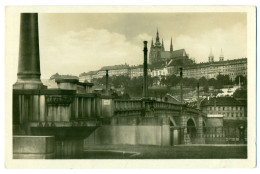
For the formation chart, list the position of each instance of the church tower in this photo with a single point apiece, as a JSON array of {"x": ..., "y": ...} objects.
[
  {"x": 157, "y": 43},
  {"x": 211, "y": 56},
  {"x": 156, "y": 49},
  {"x": 221, "y": 57},
  {"x": 171, "y": 47},
  {"x": 162, "y": 46}
]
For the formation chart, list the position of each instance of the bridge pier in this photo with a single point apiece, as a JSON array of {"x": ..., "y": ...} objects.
[
  {"x": 165, "y": 131},
  {"x": 69, "y": 148},
  {"x": 199, "y": 133}
]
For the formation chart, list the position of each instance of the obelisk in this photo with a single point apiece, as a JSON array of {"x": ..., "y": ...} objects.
[{"x": 29, "y": 73}]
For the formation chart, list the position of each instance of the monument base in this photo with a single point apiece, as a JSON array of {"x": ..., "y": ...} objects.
[{"x": 29, "y": 85}]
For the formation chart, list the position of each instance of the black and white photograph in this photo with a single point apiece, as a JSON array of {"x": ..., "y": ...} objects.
[{"x": 131, "y": 84}]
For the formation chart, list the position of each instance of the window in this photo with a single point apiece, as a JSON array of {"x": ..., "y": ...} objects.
[{"x": 223, "y": 108}]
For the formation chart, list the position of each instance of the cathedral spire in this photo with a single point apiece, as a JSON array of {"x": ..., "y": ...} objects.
[
  {"x": 152, "y": 43},
  {"x": 171, "y": 47},
  {"x": 157, "y": 37},
  {"x": 162, "y": 45}
]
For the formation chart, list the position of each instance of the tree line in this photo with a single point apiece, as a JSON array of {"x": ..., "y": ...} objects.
[{"x": 133, "y": 86}]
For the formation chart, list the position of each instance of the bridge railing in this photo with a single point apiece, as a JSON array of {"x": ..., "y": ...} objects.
[
  {"x": 210, "y": 135},
  {"x": 128, "y": 107},
  {"x": 53, "y": 107},
  {"x": 139, "y": 107}
]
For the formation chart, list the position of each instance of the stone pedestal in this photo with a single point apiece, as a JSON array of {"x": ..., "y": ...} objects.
[
  {"x": 107, "y": 106},
  {"x": 33, "y": 147}
]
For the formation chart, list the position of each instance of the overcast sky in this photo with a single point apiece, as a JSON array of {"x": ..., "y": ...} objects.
[{"x": 76, "y": 43}]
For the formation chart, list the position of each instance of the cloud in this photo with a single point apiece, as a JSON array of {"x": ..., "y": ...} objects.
[
  {"x": 89, "y": 49},
  {"x": 231, "y": 41}
]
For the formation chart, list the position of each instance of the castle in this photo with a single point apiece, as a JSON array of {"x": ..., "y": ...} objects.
[
  {"x": 165, "y": 63},
  {"x": 159, "y": 55}
]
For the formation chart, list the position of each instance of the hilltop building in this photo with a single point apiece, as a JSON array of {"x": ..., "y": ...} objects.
[
  {"x": 164, "y": 63},
  {"x": 158, "y": 54}
]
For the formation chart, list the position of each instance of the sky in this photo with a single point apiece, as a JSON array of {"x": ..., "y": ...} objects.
[{"x": 73, "y": 43}]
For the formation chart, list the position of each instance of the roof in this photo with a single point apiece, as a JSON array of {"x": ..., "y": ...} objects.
[
  {"x": 175, "y": 54},
  {"x": 222, "y": 101},
  {"x": 114, "y": 67},
  {"x": 88, "y": 73},
  {"x": 136, "y": 66},
  {"x": 178, "y": 53},
  {"x": 166, "y": 54},
  {"x": 217, "y": 63}
]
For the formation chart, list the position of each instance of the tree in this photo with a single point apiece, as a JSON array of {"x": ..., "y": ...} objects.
[
  {"x": 120, "y": 81},
  {"x": 206, "y": 88},
  {"x": 212, "y": 82},
  {"x": 190, "y": 82},
  {"x": 134, "y": 87},
  {"x": 203, "y": 81},
  {"x": 242, "y": 80},
  {"x": 223, "y": 80},
  {"x": 240, "y": 93},
  {"x": 172, "y": 80}
]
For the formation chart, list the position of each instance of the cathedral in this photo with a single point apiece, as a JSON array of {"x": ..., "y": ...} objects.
[{"x": 159, "y": 55}]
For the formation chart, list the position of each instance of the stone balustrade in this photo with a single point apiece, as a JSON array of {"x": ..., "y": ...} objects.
[{"x": 54, "y": 107}]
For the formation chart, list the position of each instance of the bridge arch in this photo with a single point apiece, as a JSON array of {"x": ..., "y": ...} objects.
[
  {"x": 191, "y": 126},
  {"x": 191, "y": 121}
]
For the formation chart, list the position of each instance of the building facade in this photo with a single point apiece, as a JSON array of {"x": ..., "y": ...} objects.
[
  {"x": 159, "y": 72},
  {"x": 229, "y": 107},
  {"x": 137, "y": 71},
  {"x": 212, "y": 69}
]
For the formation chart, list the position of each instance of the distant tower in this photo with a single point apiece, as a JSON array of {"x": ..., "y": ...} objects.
[
  {"x": 162, "y": 46},
  {"x": 157, "y": 42},
  {"x": 211, "y": 56},
  {"x": 171, "y": 47},
  {"x": 152, "y": 44},
  {"x": 221, "y": 57},
  {"x": 156, "y": 49}
]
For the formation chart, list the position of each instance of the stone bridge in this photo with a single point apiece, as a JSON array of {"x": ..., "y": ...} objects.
[
  {"x": 62, "y": 121},
  {"x": 75, "y": 117}
]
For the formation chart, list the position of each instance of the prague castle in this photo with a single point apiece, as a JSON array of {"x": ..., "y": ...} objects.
[
  {"x": 165, "y": 63},
  {"x": 159, "y": 55}
]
